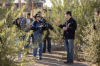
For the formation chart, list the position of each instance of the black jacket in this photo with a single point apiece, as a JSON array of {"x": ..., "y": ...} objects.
[
  {"x": 71, "y": 27},
  {"x": 45, "y": 23},
  {"x": 47, "y": 28},
  {"x": 18, "y": 25},
  {"x": 35, "y": 27}
]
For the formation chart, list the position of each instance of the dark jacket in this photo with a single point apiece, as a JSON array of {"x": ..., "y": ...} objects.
[
  {"x": 18, "y": 25},
  {"x": 35, "y": 26},
  {"x": 71, "y": 27},
  {"x": 45, "y": 23},
  {"x": 48, "y": 28}
]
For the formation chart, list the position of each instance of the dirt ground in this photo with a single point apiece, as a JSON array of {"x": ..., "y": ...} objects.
[{"x": 54, "y": 59}]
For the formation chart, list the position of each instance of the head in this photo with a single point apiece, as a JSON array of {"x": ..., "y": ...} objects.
[
  {"x": 40, "y": 13},
  {"x": 97, "y": 13},
  {"x": 68, "y": 14},
  {"x": 37, "y": 17},
  {"x": 45, "y": 14},
  {"x": 28, "y": 15},
  {"x": 17, "y": 20},
  {"x": 20, "y": 14}
]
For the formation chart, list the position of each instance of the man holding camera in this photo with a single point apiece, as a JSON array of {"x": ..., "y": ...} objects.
[{"x": 48, "y": 26}]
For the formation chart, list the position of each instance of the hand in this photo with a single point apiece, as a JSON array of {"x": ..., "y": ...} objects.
[
  {"x": 27, "y": 24},
  {"x": 46, "y": 25},
  {"x": 50, "y": 34},
  {"x": 64, "y": 28},
  {"x": 57, "y": 22},
  {"x": 41, "y": 26},
  {"x": 20, "y": 37}
]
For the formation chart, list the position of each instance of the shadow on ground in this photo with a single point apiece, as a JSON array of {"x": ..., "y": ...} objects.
[{"x": 54, "y": 59}]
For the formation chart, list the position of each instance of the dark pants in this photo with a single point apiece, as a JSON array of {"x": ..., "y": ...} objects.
[{"x": 49, "y": 44}]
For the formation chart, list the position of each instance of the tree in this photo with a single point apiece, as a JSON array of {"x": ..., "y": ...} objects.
[
  {"x": 81, "y": 9},
  {"x": 91, "y": 45},
  {"x": 8, "y": 36}
]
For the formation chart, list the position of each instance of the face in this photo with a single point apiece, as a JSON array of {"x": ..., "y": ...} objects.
[
  {"x": 18, "y": 21},
  {"x": 66, "y": 16},
  {"x": 40, "y": 14},
  {"x": 28, "y": 16},
  {"x": 96, "y": 13},
  {"x": 38, "y": 17}
]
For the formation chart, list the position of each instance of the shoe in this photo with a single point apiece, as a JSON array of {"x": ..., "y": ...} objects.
[
  {"x": 33, "y": 58},
  {"x": 50, "y": 52},
  {"x": 40, "y": 58},
  {"x": 71, "y": 62},
  {"x": 43, "y": 51},
  {"x": 66, "y": 62},
  {"x": 28, "y": 52}
]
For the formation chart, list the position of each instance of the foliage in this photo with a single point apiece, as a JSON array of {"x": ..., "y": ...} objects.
[
  {"x": 81, "y": 11},
  {"x": 91, "y": 45},
  {"x": 9, "y": 34}
]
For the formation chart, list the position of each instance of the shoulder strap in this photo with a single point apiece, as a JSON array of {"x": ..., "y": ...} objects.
[{"x": 43, "y": 21}]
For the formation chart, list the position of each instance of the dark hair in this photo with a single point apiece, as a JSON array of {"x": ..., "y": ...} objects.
[
  {"x": 39, "y": 12},
  {"x": 97, "y": 12},
  {"x": 35, "y": 15},
  {"x": 15, "y": 22},
  {"x": 68, "y": 12},
  {"x": 28, "y": 14}
]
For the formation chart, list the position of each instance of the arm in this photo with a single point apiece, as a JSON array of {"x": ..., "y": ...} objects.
[
  {"x": 50, "y": 27},
  {"x": 34, "y": 27},
  {"x": 72, "y": 28},
  {"x": 43, "y": 28},
  {"x": 31, "y": 19},
  {"x": 61, "y": 26}
]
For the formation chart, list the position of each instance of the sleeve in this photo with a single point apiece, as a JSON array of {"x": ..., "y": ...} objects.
[
  {"x": 31, "y": 20},
  {"x": 43, "y": 28},
  {"x": 34, "y": 27},
  {"x": 50, "y": 27},
  {"x": 61, "y": 26},
  {"x": 73, "y": 27}
]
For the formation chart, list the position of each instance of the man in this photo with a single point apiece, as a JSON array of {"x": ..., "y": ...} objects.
[
  {"x": 24, "y": 24},
  {"x": 48, "y": 26},
  {"x": 69, "y": 28}
]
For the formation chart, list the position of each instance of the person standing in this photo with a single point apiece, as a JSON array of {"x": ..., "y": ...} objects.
[
  {"x": 69, "y": 28},
  {"x": 24, "y": 24},
  {"x": 47, "y": 38},
  {"x": 16, "y": 23},
  {"x": 48, "y": 26},
  {"x": 37, "y": 27}
]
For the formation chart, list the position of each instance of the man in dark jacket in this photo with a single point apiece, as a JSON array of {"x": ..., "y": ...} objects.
[
  {"x": 69, "y": 28},
  {"x": 48, "y": 26}
]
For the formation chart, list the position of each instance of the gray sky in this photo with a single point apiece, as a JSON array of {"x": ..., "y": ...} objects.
[{"x": 48, "y": 3}]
